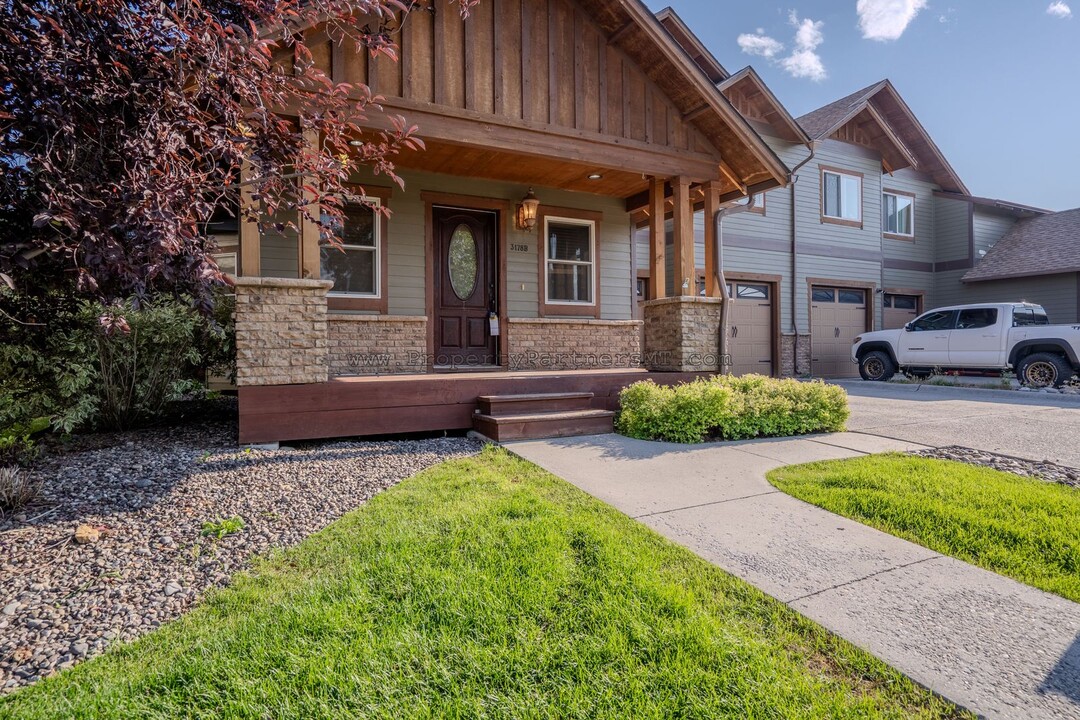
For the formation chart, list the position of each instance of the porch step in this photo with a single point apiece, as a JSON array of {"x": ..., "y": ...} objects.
[
  {"x": 497, "y": 405},
  {"x": 542, "y": 425}
]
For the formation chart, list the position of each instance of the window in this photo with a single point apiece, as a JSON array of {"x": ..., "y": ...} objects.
[
  {"x": 977, "y": 319},
  {"x": 902, "y": 302},
  {"x": 570, "y": 253},
  {"x": 853, "y": 297},
  {"x": 898, "y": 214},
  {"x": 824, "y": 295},
  {"x": 841, "y": 197},
  {"x": 753, "y": 292},
  {"x": 354, "y": 266},
  {"x": 935, "y": 320},
  {"x": 1028, "y": 317}
]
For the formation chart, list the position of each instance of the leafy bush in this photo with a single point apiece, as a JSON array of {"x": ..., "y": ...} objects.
[
  {"x": 17, "y": 445},
  {"x": 730, "y": 408},
  {"x": 17, "y": 490}
]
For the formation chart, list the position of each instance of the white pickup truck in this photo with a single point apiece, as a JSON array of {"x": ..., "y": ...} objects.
[{"x": 994, "y": 337}]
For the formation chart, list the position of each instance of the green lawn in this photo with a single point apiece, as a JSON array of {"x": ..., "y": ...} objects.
[
  {"x": 484, "y": 588},
  {"x": 1026, "y": 529}
]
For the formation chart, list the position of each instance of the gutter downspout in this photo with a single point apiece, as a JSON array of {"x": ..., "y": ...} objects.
[
  {"x": 793, "y": 179},
  {"x": 721, "y": 281}
]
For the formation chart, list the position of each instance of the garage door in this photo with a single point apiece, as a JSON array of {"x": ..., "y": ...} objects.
[
  {"x": 899, "y": 310},
  {"x": 751, "y": 328},
  {"x": 837, "y": 316}
]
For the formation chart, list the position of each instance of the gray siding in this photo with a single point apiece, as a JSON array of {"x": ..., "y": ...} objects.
[
  {"x": 1056, "y": 293},
  {"x": 952, "y": 234},
  {"x": 989, "y": 227}
]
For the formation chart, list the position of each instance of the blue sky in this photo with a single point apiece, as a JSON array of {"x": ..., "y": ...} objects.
[{"x": 995, "y": 82}]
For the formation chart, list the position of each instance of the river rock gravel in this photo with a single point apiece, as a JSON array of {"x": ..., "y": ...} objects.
[
  {"x": 1042, "y": 470},
  {"x": 148, "y": 496}
]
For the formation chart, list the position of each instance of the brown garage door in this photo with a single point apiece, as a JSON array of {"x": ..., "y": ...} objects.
[
  {"x": 837, "y": 316},
  {"x": 899, "y": 310},
  {"x": 751, "y": 328}
]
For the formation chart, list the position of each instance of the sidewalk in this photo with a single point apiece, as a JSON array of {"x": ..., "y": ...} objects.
[{"x": 995, "y": 646}]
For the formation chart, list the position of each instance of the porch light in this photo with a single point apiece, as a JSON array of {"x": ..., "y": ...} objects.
[{"x": 526, "y": 216}]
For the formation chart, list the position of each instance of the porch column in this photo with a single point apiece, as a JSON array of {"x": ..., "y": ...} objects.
[
  {"x": 250, "y": 252},
  {"x": 684, "y": 237},
  {"x": 310, "y": 264},
  {"x": 712, "y": 262},
  {"x": 657, "y": 269}
]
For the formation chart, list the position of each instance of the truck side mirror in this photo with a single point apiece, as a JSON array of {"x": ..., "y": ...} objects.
[{"x": 910, "y": 327}]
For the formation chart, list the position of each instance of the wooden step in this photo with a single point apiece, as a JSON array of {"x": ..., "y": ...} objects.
[
  {"x": 500, "y": 405},
  {"x": 537, "y": 426}
]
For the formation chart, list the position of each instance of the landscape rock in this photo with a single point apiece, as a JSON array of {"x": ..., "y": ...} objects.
[
  {"x": 1045, "y": 470},
  {"x": 85, "y": 534}
]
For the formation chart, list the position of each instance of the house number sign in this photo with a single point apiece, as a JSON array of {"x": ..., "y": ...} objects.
[{"x": 519, "y": 247}]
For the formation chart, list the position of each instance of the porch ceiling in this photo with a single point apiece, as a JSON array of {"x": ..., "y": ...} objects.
[{"x": 493, "y": 164}]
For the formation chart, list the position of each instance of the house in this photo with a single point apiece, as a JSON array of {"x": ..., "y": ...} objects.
[{"x": 508, "y": 265}]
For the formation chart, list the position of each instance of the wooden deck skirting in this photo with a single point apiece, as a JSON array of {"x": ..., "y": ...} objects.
[{"x": 390, "y": 405}]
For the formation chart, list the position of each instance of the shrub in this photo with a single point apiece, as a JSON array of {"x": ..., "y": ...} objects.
[
  {"x": 17, "y": 490},
  {"x": 730, "y": 408},
  {"x": 17, "y": 445}
]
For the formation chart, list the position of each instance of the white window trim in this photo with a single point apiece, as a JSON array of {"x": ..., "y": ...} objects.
[
  {"x": 840, "y": 197},
  {"x": 374, "y": 203},
  {"x": 591, "y": 224},
  {"x": 884, "y": 218}
]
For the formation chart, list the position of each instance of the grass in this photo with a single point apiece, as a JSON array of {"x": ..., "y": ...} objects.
[
  {"x": 1026, "y": 529},
  {"x": 484, "y": 588}
]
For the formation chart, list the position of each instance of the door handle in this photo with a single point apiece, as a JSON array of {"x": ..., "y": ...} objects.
[
  {"x": 735, "y": 331},
  {"x": 837, "y": 333}
]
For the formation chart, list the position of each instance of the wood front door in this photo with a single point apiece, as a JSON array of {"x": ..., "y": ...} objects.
[{"x": 465, "y": 287}]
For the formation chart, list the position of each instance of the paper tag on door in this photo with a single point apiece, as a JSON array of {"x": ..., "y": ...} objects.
[{"x": 493, "y": 323}]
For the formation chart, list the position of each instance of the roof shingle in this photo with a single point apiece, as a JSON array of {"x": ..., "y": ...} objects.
[{"x": 1043, "y": 245}]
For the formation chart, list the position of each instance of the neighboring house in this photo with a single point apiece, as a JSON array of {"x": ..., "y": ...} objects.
[{"x": 511, "y": 246}]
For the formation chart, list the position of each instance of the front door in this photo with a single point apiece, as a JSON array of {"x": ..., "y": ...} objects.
[{"x": 465, "y": 290}]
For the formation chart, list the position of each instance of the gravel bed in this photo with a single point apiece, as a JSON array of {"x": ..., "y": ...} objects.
[
  {"x": 148, "y": 497},
  {"x": 1042, "y": 470}
]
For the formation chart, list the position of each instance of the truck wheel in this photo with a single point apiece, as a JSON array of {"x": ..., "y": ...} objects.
[
  {"x": 1043, "y": 370},
  {"x": 876, "y": 366}
]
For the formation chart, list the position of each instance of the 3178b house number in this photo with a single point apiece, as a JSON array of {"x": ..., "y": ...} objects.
[{"x": 518, "y": 247}]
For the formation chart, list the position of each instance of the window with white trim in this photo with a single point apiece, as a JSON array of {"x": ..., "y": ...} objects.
[
  {"x": 354, "y": 266},
  {"x": 570, "y": 261},
  {"x": 898, "y": 214},
  {"x": 841, "y": 198}
]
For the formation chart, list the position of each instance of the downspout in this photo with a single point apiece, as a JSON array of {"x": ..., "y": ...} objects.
[
  {"x": 721, "y": 281},
  {"x": 793, "y": 179}
]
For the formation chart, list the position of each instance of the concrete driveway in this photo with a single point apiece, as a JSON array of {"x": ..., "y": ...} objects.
[{"x": 1033, "y": 426}]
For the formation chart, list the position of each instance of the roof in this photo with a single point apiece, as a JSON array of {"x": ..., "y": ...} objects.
[
  {"x": 1018, "y": 209},
  {"x": 1042, "y": 245},
  {"x": 749, "y": 94},
  {"x": 905, "y": 137},
  {"x": 692, "y": 45}
]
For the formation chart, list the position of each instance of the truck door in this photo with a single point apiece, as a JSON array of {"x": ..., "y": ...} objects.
[
  {"x": 978, "y": 339},
  {"x": 925, "y": 342}
]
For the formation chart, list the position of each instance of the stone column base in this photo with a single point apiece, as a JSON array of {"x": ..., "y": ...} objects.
[
  {"x": 795, "y": 362},
  {"x": 682, "y": 334}
]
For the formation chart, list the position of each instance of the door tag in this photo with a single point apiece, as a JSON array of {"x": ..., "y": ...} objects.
[{"x": 493, "y": 323}]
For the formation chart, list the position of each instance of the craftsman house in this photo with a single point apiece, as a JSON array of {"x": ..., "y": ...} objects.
[{"x": 507, "y": 266}]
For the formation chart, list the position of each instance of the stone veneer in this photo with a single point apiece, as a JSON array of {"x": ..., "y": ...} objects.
[
  {"x": 788, "y": 365},
  {"x": 281, "y": 331},
  {"x": 567, "y": 344},
  {"x": 682, "y": 334},
  {"x": 377, "y": 345}
]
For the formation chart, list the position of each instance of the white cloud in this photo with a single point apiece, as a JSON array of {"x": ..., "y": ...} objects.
[
  {"x": 805, "y": 62},
  {"x": 1059, "y": 9},
  {"x": 885, "y": 20},
  {"x": 758, "y": 43}
]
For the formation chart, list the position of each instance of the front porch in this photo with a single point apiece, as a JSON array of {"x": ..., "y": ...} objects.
[{"x": 386, "y": 405}]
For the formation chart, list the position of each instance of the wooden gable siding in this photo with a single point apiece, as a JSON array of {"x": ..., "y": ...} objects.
[{"x": 540, "y": 62}]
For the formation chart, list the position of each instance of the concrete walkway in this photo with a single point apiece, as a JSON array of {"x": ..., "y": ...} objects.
[{"x": 995, "y": 646}]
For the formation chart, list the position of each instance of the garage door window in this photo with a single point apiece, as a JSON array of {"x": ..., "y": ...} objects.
[
  {"x": 754, "y": 292},
  {"x": 826, "y": 295},
  {"x": 853, "y": 297},
  {"x": 902, "y": 302}
]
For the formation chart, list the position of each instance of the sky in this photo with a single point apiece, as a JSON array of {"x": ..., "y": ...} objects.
[{"x": 996, "y": 83}]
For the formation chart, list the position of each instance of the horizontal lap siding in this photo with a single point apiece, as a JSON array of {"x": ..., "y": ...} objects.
[
  {"x": 989, "y": 227},
  {"x": 951, "y": 227},
  {"x": 920, "y": 248},
  {"x": 406, "y": 244},
  {"x": 1056, "y": 293}
]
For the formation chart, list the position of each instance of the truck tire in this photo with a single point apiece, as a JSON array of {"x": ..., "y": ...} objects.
[
  {"x": 1043, "y": 370},
  {"x": 876, "y": 366}
]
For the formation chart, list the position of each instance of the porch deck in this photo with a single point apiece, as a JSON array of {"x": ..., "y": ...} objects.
[{"x": 393, "y": 404}]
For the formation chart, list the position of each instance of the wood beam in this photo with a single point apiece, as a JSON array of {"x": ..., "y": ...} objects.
[
  {"x": 731, "y": 175},
  {"x": 657, "y": 279},
  {"x": 248, "y": 230},
  {"x": 683, "y": 218},
  {"x": 309, "y": 230},
  {"x": 712, "y": 261}
]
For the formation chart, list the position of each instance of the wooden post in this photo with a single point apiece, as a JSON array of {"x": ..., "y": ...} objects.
[
  {"x": 310, "y": 265},
  {"x": 712, "y": 271},
  {"x": 250, "y": 251},
  {"x": 684, "y": 238},
  {"x": 657, "y": 239}
]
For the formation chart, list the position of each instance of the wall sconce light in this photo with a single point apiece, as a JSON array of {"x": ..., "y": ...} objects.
[{"x": 526, "y": 215}]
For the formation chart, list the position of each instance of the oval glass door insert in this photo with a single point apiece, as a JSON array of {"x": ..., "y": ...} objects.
[{"x": 462, "y": 262}]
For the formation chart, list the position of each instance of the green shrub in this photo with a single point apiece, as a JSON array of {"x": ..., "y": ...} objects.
[
  {"x": 730, "y": 408},
  {"x": 17, "y": 446}
]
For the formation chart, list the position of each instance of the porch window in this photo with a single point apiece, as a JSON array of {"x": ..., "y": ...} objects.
[
  {"x": 841, "y": 197},
  {"x": 570, "y": 255},
  {"x": 354, "y": 266},
  {"x": 898, "y": 214}
]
